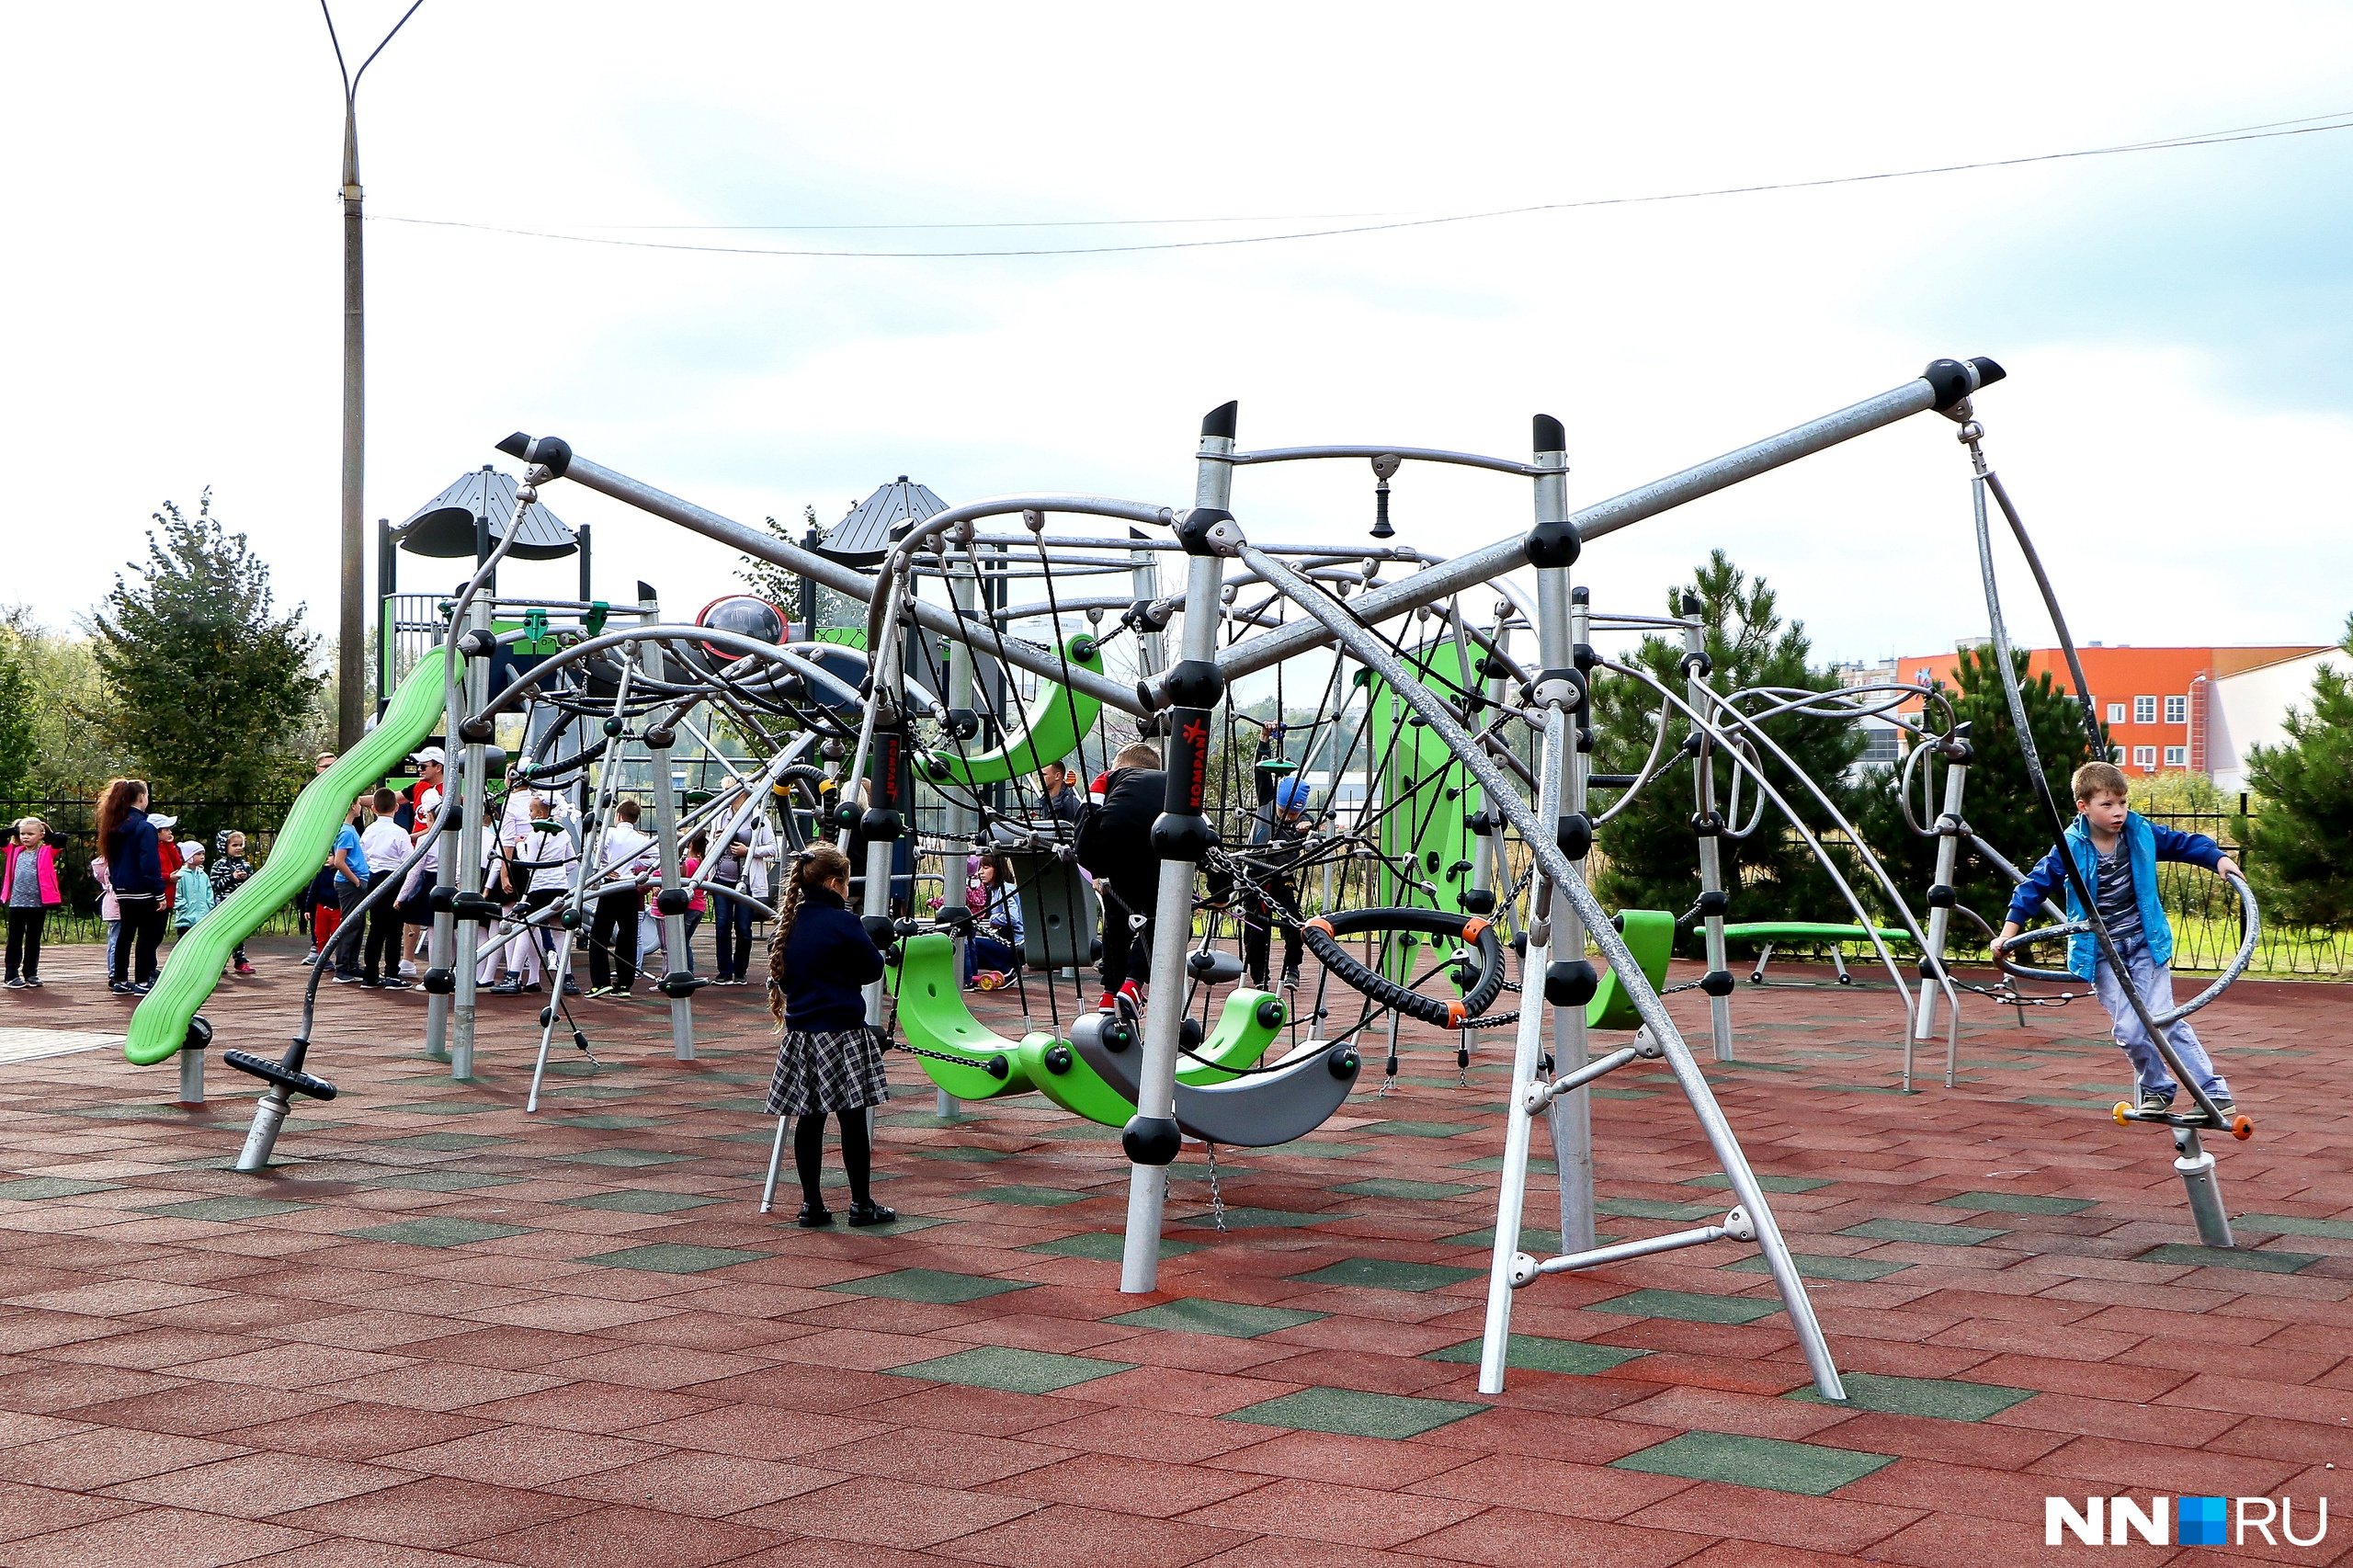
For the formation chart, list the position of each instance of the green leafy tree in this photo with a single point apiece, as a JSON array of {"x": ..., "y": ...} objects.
[
  {"x": 2300, "y": 846},
  {"x": 72, "y": 755},
  {"x": 783, "y": 588},
  {"x": 211, "y": 687},
  {"x": 18, "y": 744},
  {"x": 1651, "y": 858},
  {"x": 1997, "y": 801}
]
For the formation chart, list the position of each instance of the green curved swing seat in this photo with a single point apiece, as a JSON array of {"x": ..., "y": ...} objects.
[
  {"x": 1650, "y": 937},
  {"x": 1239, "y": 1041}
]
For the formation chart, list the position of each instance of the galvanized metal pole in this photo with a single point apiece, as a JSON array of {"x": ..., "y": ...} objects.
[
  {"x": 473, "y": 799},
  {"x": 674, "y": 921},
  {"x": 1702, "y": 698},
  {"x": 1948, "y": 830},
  {"x": 351, "y": 629},
  {"x": 964, "y": 821},
  {"x": 1151, "y": 1138}
]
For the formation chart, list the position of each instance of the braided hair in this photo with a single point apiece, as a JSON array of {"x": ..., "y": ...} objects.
[{"x": 813, "y": 866}]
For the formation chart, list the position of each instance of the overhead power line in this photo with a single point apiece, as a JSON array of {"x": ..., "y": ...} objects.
[{"x": 2310, "y": 125}]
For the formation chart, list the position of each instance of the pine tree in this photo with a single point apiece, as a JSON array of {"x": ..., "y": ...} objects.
[
  {"x": 210, "y": 686},
  {"x": 1997, "y": 802},
  {"x": 1651, "y": 858},
  {"x": 2297, "y": 854}
]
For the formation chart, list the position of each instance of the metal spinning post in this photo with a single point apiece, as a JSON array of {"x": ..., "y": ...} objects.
[
  {"x": 474, "y": 796},
  {"x": 1564, "y": 658},
  {"x": 1180, "y": 838},
  {"x": 963, "y": 822},
  {"x": 1941, "y": 897},
  {"x": 670, "y": 903},
  {"x": 1713, "y": 900}
]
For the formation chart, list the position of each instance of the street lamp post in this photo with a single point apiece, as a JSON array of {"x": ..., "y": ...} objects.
[{"x": 351, "y": 636}]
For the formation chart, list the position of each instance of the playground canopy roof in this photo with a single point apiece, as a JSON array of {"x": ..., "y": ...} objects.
[
  {"x": 863, "y": 537},
  {"x": 445, "y": 525}
]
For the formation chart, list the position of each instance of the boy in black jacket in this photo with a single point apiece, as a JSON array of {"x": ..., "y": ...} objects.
[{"x": 1115, "y": 846}]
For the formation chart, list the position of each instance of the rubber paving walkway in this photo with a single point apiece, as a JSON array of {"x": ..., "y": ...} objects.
[{"x": 444, "y": 1333}]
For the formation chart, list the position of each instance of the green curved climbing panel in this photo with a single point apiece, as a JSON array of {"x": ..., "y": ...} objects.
[{"x": 1049, "y": 732}]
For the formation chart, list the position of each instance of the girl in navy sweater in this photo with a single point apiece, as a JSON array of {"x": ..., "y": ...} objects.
[{"x": 830, "y": 1060}]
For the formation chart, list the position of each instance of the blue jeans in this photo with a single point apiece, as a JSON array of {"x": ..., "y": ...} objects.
[
  {"x": 988, "y": 953},
  {"x": 734, "y": 936},
  {"x": 2154, "y": 982}
]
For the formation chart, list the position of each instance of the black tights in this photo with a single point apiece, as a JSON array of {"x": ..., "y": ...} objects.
[{"x": 809, "y": 1149}]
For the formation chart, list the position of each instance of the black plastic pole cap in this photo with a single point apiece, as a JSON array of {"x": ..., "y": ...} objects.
[
  {"x": 553, "y": 452},
  {"x": 1152, "y": 1140},
  {"x": 1549, "y": 435},
  {"x": 1953, "y": 379},
  {"x": 1220, "y": 421}
]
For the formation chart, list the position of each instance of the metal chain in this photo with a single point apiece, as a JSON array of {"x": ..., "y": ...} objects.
[{"x": 1217, "y": 1197}]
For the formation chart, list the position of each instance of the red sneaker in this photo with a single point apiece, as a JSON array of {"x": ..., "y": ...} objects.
[{"x": 245, "y": 969}]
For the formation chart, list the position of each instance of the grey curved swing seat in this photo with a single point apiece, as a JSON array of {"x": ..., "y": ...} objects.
[{"x": 1273, "y": 1106}]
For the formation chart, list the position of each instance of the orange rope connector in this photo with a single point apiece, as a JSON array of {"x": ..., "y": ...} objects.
[
  {"x": 1319, "y": 923},
  {"x": 1455, "y": 1015},
  {"x": 1473, "y": 928}
]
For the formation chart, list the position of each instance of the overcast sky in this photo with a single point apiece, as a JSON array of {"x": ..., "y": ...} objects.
[{"x": 2175, "y": 324}]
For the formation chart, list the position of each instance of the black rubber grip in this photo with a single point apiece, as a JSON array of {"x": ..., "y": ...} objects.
[
  {"x": 293, "y": 1080},
  {"x": 1321, "y": 938}
]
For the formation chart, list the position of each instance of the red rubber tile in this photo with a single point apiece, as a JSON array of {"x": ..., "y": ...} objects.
[
  {"x": 50, "y": 1388},
  {"x": 1515, "y": 1538},
  {"x": 592, "y": 1407},
  {"x": 625, "y": 1537},
  {"x": 756, "y": 1431},
  {"x": 1064, "y": 1536},
  {"x": 359, "y": 1554},
  {"x": 37, "y": 1510},
  {"x": 257, "y": 1486},
  {"x": 156, "y": 1537},
  {"x": 706, "y": 1484},
  {"x": 916, "y": 1455},
  {"x": 883, "y": 1512},
  {"x": 1151, "y": 1433},
  {"x": 1835, "y": 1524},
  {"x": 103, "y": 1456},
  {"x": 1294, "y": 1551},
  {"x": 1129, "y": 1486},
  {"x": 952, "y": 1407},
  {"x": 1331, "y": 1456},
  {"x": 357, "y": 1431},
  {"x": 436, "y": 1513},
  {"x": 201, "y": 1410},
  {"x": 1325, "y": 1510},
  {"x": 524, "y": 1456},
  {"x": 1582, "y": 1491}
]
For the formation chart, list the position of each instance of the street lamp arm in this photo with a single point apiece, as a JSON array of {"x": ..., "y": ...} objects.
[{"x": 351, "y": 77}]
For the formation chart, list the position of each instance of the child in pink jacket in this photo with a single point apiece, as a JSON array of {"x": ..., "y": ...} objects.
[{"x": 29, "y": 891}]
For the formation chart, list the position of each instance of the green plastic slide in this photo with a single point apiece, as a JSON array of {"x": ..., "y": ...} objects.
[
  {"x": 1049, "y": 732},
  {"x": 159, "y": 1026},
  {"x": 1650, "y": 937}
]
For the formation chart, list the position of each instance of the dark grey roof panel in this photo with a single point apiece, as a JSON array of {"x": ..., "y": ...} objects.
[
  {"x": 862, "y": 538},
  {"x": 445, "y": 525}
]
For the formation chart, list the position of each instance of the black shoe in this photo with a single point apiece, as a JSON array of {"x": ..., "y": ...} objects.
[
  {"x": 394, "y": 984},
  {"x": 871, "y": 1214},
  {"x": 571, "y": 986},
  {"x": 1290, "y": 980},
  {"x": 32, "y": 983},
  {"x": 123, "y": 988},
  {"x": 142, "y": 986},
  {"x": 508, "y": 987},
  {"x": 814, "y": 1217},
  {"x": 370, "y": 982},
  {"x": 13, "y": 983}
]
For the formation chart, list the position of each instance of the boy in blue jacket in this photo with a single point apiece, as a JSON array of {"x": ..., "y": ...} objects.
[{"x": 2116, "y": 851}]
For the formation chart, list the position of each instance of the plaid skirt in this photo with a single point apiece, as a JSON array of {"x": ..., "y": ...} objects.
[{"x": 820, "y": 1073}]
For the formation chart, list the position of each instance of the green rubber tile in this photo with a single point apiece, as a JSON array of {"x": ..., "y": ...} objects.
[
  {"x": 750, "y": 1104},
  {"x": 226, "y": 1209},
  {"x": 1013, "y": 1371},
  {"x": 1252, "y": 1219},
  {"x": 1771, "y": 1463},
  {"x": 2023, "y": 1203},
  {"x": 2251, "y": 1258},
  {"x": 443, "y": 1181},
  {"x": 1814, "y": 1266},
  {"x": 1393, "y": 1186},
  {"x": 975, "y": 1156},
  {"x": 451, "y": 1108},
  {"x": 436, "y": 1233},
  {"x": 2067, "y": 1101},
  {"x": 1688, "y": 1306},
  {"x": 609, "y": 1123},
  {"x": 932, "y": 1285},
  {"x": 1309, "y": 1148},
  {"x": 442, "y": 1143},
  {"x": 1351, "y": 1413},
  {"x": 1081, "y": 1131},
  {"x": 1031, "y": 1197},
  {"x": 1769, "y": 1182},
  {"x": 1381, "y": 1274},
  {"x": 1937, "y": 1397},
  {"x": 1196, "y": 1316},
  {"x": 637, "y": 1201},
  {"x": 594, "y": 1092},
  {"x": 674, "y": 1257},
  {"x": 628, "y": 1157},
  {"x": 1652, "y": 1209},
  {"x": 33, "y": 1190},
  {"x": 1928, "y": 1235},
  {"x": 2284, "y": 1224},
  {"x": 1104, "y": 1247},
  {"x": 1542, "y": 1244},
  {"x": 1535, "y": 1353},
  {"x": 1495, "y": 1162},
  {"x": 1424, "y": 1129},
  {"x": 924, "y": 1118},
  {"x": 1601, "y": 1094},
  {"x": 135, "y": 1113},
  {"x": 905, "y": 1225},
  {"x": 1869, "y": 1089}
]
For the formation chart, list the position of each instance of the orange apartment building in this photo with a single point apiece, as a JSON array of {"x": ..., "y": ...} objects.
[{"x": 2160, "y": 703}]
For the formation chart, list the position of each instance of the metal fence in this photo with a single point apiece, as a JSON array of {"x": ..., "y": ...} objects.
[
  {"x": 2208, "y": 927},
  {"x": 72, "y": 826}
]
